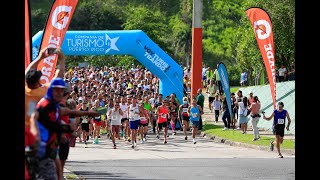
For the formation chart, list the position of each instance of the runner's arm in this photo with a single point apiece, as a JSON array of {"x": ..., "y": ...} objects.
[
  {"x": 74, "y": 112},
  {"x": 34, "y": 64},
  {"x": 289, "y": 120},
  {"x": 268, "y": 118},
  {"x": 60, "y": 72},
  {"x": 34, "y": 129}
]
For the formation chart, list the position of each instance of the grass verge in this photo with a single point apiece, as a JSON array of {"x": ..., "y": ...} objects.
[
  {"x": 237, "y": 136},
  {"x": 234, "y": 89}
]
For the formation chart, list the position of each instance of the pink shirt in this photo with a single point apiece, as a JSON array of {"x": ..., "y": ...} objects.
[{"x": 255, "y": 108}]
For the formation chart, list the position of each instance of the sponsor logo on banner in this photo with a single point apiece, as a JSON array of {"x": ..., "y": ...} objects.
[
  {"x": 155, "y": 59},
  {"x": 98, "y": 43}
]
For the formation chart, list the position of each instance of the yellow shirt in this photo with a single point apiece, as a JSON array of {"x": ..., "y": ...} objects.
[{"x": 32, "y": 97}]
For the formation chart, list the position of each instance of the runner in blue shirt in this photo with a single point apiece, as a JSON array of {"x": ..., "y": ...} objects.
[{"x": 279, "y": 122}]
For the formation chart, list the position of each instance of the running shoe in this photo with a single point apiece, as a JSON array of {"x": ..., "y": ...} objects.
[
  {"x": 164, "y": 142},
  {"x": 271, "y": 146},
  {"x": 98, "y": 136},
  {"x": 114, "y": 146},
  {"x": 132, "y": 146},
  {"x": 158, "y": 136},
  {"x": 280, "y": 155},
  {"x": 186, "y": 138},
  {"x": 141, "y": 141},
  {"x": 85, "y": 144},
  {"x": 87, "y": 138},
  {"x": 194, "y": 141}
]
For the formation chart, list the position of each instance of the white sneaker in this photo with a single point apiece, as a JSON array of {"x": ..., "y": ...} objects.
[
  {"x": 194, "y": 141},
  {"x": 225, "y": 128},
  {"x": 142, "y": 141},
  {"x": 238, "y": 128}
]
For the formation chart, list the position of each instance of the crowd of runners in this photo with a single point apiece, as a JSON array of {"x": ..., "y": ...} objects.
[{"x": 80, "y": 104}]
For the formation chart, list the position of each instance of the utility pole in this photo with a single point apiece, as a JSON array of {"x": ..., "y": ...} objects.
[{"x": 196, "y": 65}]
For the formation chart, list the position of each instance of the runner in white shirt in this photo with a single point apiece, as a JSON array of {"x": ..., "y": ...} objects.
[
  {"x": 134, "y": 119},
  {"x": 124, "y": 119},
  {"x": 116, "y": 115}
]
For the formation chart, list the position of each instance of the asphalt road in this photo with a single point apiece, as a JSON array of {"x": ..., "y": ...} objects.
[{"x": 179, "y": 159}]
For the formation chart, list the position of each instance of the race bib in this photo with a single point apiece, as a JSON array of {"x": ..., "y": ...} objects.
[
  {"x": 194, "y": 115},
  {"x": 114, "y": 118},
  {"x": 185, "y": 110},
  {"x": 143, "y": 118},
  {"x": 31, "y": 107},
  {"x": 280, "y": 121},
  {"x": 163, "y": 115}
]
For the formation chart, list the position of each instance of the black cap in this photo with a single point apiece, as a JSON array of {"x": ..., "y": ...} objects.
[{"x": 33, "y": 76}]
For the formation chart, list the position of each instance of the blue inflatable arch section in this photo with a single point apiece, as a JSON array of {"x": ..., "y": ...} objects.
[{"x": 123, "y": 42}]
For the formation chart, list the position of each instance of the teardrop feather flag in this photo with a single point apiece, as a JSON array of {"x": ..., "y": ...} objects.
[
  {"x": 262, "y": 28},
  {"x": 56, "y": 27}
]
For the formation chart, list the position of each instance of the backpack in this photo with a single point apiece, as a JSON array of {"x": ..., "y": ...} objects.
[{"x": 246, "y": 112}]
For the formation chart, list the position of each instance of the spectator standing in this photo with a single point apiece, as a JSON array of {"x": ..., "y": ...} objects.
[
  {"x": 250, "y": 98},
  {"x": 226, "y": 118},
  {"x": 216, "y": 105},
  {"x": 243, "y": 120},
  {"x": 239, "y": 98},
  {"x": 218, "y": 81},
  {"x": 211, "y": 91},
  {"x": 255, "y": 116},
  {"x": 200, "y": 102},
  {"x": 243, "y": 79},
  {"x": 47, "y": 114},
  {"x": 282, "y": 73},
  {"x": 292, "y": 72},
  {"x": 234, "y": 111}
]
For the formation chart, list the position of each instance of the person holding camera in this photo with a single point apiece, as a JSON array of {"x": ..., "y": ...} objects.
[
  {"x": 255, "y": 116},
  {"x": 279, "y": 123}
]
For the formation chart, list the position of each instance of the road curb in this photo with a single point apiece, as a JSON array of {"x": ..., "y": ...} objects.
[{"x": 239, "y": 144}]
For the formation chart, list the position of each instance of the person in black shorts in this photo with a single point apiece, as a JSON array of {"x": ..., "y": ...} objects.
[
  {"x": 183, "y": 109},
  {"x": 279, "y": 124}
]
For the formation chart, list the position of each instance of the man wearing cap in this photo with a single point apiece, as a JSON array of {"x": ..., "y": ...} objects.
[
  {"x": 279, "y": 124},
  {"x": 34, "y": 91},
  {"x": 48, "y": 116}
]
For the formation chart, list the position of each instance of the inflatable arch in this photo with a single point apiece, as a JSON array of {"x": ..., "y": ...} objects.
[{"x": 124, "y": 42}]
